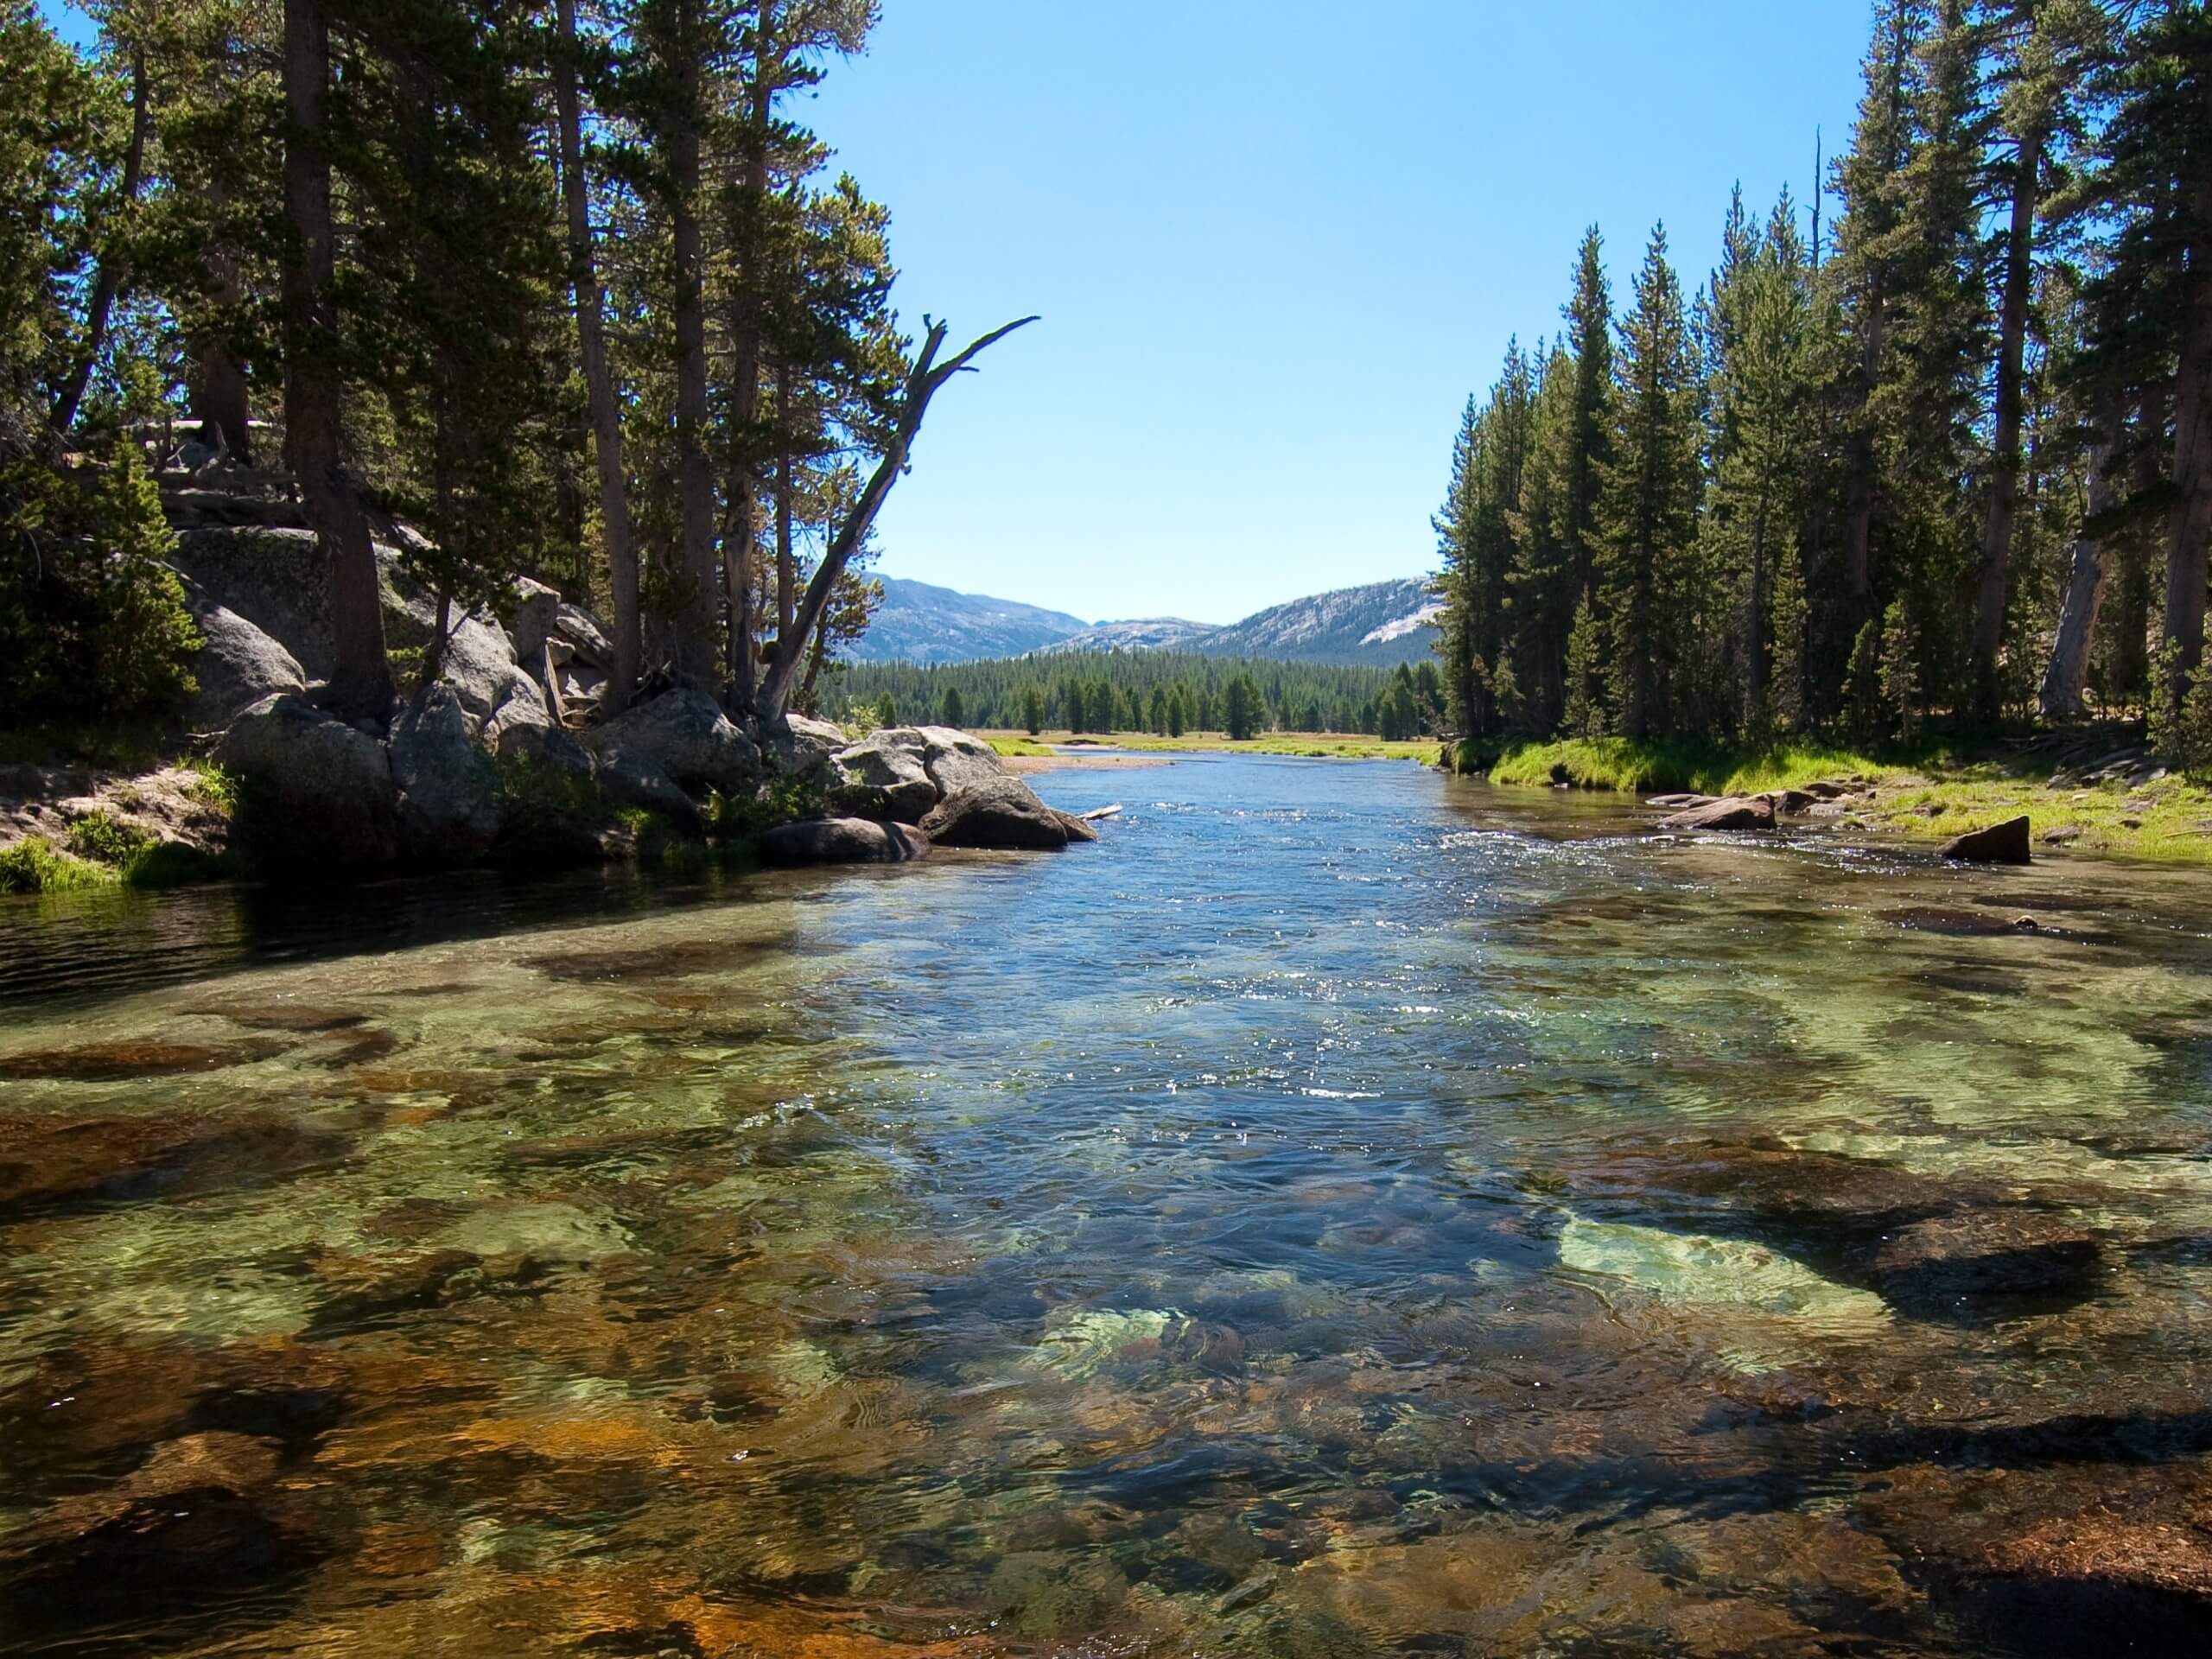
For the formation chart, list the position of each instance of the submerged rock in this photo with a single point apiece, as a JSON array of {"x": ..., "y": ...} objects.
[
  {"x": 1699, "y": 1270},
  {"x": 203, "y": 1516},
  {"x": 2001, "y": 843},
  {"x": 1737, "y": 812},
  {"x": 1985, "y": 1252},
  {"x": 120, "y": 1062},
  {"x": 1004, "y": 813},
  {"x": 1077, "y": 1343},
  {"x": 843, "y": 841}
]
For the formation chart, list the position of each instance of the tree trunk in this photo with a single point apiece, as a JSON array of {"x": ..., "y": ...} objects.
[
  {"x": 743, "y": 489},
  {"x": 786, "y": 565},
  {"x": 360, "y": 681},
  {"x": 1754, "y": 630},
  {"x": 2190, "y": 523},
  {"x": 109, "y": 280},
  {"x": 219, "y": 391},
  {"x": 1858, "y": 486},
  {"x": 2069, "y": 671},
  {"x": 599, "y": 382},
  {"x": 2005, "y": 458},
  {"x": 926, "y": 378},
  {"x": 695, "y": 481}
]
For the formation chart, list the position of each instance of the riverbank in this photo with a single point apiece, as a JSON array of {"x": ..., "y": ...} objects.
[{"x": 2088, "y": 792}]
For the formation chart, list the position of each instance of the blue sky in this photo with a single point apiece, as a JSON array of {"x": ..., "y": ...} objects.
[{"x": 1275, "y": 245}]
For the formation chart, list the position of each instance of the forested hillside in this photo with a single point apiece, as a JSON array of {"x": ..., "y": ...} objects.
[
  {"x": 1940, "y": 449},
  {"x": 1168, "y": 692},
  {"x": 516, "y": 287}
]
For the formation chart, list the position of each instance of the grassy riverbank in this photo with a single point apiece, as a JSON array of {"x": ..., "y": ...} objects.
[
  {"x": 1932, "y": 790},
  {"x": 1317, "y": 746}
]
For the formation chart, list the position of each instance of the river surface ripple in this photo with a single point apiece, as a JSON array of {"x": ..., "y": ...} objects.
[{"x": 1343, "y": 1212}]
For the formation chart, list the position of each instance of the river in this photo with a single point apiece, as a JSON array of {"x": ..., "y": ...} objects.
[{"x": 1343, "y": 1212}]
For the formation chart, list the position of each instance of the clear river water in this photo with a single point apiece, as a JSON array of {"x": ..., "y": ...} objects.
[{"x": 1342, "y": 1212}]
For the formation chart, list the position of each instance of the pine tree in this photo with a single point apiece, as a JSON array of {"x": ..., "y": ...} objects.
[
  {"x": 1872, "y": 239},
  {"x": 1647, "y": 515},
  {"x": 1032, "y": 710},
  {"x": 954, "y": 712},
  {"x": 2150, "y": 179},
  {"x": 1760, "y": 449},
  {"x": 1240, "y": 707},
  {"x": 1587, "y": 714},
  {"x": 1900, "y": 675}
]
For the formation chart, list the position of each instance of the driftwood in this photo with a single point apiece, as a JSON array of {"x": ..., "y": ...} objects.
[
  {"x": 926, "y": 378},
  {"x": 1098, "y": 812}
]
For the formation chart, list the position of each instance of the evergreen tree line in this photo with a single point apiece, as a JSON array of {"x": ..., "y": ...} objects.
[
  {"x": 1930, "y": 461},
  {"x": 563, "y": 285},
  {"x": 1166, "y": 693}
]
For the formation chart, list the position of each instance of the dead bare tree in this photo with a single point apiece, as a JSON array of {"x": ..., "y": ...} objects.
[{"x": 924, "y": 381}]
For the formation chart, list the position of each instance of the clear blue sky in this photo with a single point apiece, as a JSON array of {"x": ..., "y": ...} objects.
[{"x": 1275, "y": 244}]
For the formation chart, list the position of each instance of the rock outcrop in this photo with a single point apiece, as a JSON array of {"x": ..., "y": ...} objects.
[
  {"x": 685, "y": 737},
  {"x": 1736, "y": 812},
  {"x": 329, "y": 784},
  {"x": 449, "y": 790},
  {"x": 237, "y": 667},
  {"x": 2001, "y": 843},
  {"x": 843, "y": 841},
  {"x": 1003, "y": 813},
  {"x": 878, "y": 780}
]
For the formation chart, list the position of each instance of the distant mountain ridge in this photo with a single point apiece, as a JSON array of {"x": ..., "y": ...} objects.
[
  {"x": 920, "y": 622},
  {"x": 1381, "y": 624}
]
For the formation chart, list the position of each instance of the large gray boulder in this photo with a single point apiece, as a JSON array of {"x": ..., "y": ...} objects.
[
  {"x": 843, "y": 841},
  {"x": 317, "y": 791},
  {"x": 684, "y": 734},
  {"x": 1737, "y": 812},
  {"x": 1003, "y": 813},
  {"x": 540, "y": 615},
  {"x": 877, "y": 779},
  {"x": 2001, "y": 843},
  {"x": 521, "y": 707},
  {"x": 953, "y": 760},
  {"x": 279, "y": 581},
  {"x": 629, "y": 778},
  {"x": 807, "y": 749},
  {"x": 448, "y": 789},
  {"x": 236, "y": 668},
  {"x": 274, "y": 579}
]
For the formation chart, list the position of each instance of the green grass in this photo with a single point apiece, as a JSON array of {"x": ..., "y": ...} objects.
[
  {"x": 211, "y": 786},
  {"x": 36, "y": 865},
  {"x": 1928, "y": 791},
  {"x": 1318, "y": 746},
  {"x": 1669, "y": 766},
  {"x": 2169, "y": 820}
]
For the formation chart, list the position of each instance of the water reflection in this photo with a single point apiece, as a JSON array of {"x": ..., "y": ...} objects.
[{"x": 1341, "y": 1213}]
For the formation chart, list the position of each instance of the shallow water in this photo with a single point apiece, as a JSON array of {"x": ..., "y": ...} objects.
[{"x": 1342, "y": 1212}]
